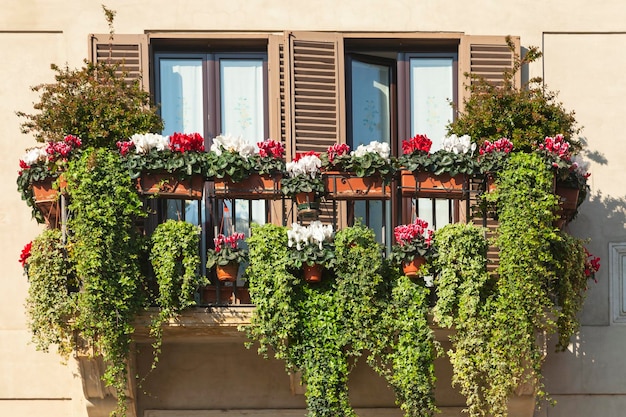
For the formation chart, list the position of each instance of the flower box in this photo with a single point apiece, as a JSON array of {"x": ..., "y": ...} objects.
[
  {"x": 429, "y": 185},
  {"x": 347, "y": 186},
  {"x": 47, "y": 199},
  {"x": 254, "y": 187},
  {"x": 170, "y": 186},
  {"x": 568, "y": 196}
]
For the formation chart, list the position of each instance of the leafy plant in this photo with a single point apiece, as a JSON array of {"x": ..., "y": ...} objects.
[
  {"x": 236, "y": 159},
  {"x": 51, "y": 302},
  {"x": 525, "y": 115},
  {"x": 93, "y": 103},
  {"x": 175, "y": 261},
  {"x": 311, "y": 245},
  {"x": 303, "y": 175},
  {"x": 365, "y": 161},
  {"x": 106, "y": 250},
  {"x": 412, "y": 240},
  {"x": 455, "y": 158},
  {"x": 180, "y": 154},
  {"x": 226, "y": 251}
]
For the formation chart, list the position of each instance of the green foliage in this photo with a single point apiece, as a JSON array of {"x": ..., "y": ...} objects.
[
  {"x": 175, "y": 261},
  {"x": 106, "y": 249},
  {"x": 225, "y": 256},
  {"x": 367, "y": 165},
  {"x": 290, "y": 186},
  {"x": 311, "y": 254},
  {"x": 182, "y": 164},
  {"x": 92, "y": 103},
  {"x": 51, "y": 301},
  {"x": 524, "y": 115},
  {"x": 320, "y": 329},
  {"x": 440, "y": 162}
]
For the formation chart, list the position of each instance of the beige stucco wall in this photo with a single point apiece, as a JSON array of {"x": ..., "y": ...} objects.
[{"x": 587, "y": 68}]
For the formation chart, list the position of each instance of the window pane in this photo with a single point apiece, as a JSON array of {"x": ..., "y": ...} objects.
[
  {"x": 181, "y": 88},
  {"x": 371, "y": 121},
  {"x": 431, "y": 95},
  {"x": 242, "y": 114},
  {"x": 370, "y": 103}
]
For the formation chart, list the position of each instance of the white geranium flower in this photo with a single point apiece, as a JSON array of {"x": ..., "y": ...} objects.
[
  {"x": 380, "y": 148},
  {"x": 34, "y": 155},
  {"x": 232, "y": 144},
  {"x": 458, "y": 145},
  {"x": 144, "y": 143}
]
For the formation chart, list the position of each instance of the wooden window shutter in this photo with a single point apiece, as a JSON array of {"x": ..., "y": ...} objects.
[
  {"x": 316, "y": 92},
  {"x": 277, "y": 91},
  {"x": 487, "y": 57},
  {"x": 130, "y": 52}
]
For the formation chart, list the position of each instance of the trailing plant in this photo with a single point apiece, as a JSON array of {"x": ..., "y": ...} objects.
[
  {"x": 52, "y": 292},
  {"x": 316, "y": 329},
  {"x": 105, "y": 247},
  {"x": 403, "y": 348},
  {"x": 525, "y": 115},
  {"x": 175, "y": 260},
  {"x": 94, "y": 103},
  {"x": 501, "y": 337}
]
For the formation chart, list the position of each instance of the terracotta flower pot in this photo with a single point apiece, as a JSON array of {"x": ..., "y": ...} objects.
[
  {"x": 307, "y": 205},
  {"x": 429, "y": 185},
  {"x": 312, "y": 273},
  {"x": 411, "y": 268},
  {"x": 170, "y": 186},
  {"x": 228, "y": 272},
  {"x": 47, "y": 199},
  {"x": 254, "y": 187}
]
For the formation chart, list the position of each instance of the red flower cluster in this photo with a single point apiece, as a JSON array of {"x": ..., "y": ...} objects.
[
  {"x": 300, "y": 155},
  {"x": 23, "y": 165},
  {"x": 416, "y": 231},
  {"x": 271, "y": 148},
  {"x": 558, "y": 146},
  {"x": 125, "y": 147},
  {"x": 221, "y": 241},
  {"x": 338, "y": 149},
  {"x": 183, "y": 142},
  {"x": 62, "y": 148},
  {"x": 501, "y": 145},
  {"x": 416, "y": 143},
  {"x": 25, "y": 254},
  {"x": 592, "y": 265}
]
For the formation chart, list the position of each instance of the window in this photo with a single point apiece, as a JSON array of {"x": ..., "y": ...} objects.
[{"x": 310, "y": 90}]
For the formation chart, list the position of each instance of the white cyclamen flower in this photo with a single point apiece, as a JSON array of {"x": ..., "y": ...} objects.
[
  {"x": 307, "y": 165},
  {"x": 34, "y": 155},
  {"x": 144, "y": 143},
  {"x": 316, "y": 233},
  {"x": 458, "y": 145},
  {"x": 232, "y": 144},
  {"x": 380, "y": 148}
]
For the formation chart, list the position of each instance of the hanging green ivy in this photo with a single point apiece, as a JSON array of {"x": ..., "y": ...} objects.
[{"x": 106, "y": 249}]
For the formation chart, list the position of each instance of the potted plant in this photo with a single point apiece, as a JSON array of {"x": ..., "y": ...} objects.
[
  {"x": 311, "y": 248},
  {"x": 304, "y": 184},
  {"x": 364, "y": 173},
  {"x": 413, "y": 247},
  {"x": 169, "y": 166},
  {"x": 570, "y": 175},
  {"x": 441, "y": 174},
  {"x": 40, "y": 177},
  {"x": 226, "y": 256},
  {"x": 239, "y": 170}
]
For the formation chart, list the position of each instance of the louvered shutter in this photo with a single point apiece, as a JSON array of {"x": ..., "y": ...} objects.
[
  {"x": 129, "y": 52},
  {"x": 316, "y": 90},
  {"x": 487, "y": 57}
]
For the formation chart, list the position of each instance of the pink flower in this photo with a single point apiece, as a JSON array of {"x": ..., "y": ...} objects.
[
  {"x": 416, "y": 143},
  {"x": 413, "y": 233},
  {"x": 221, "y": 241},
  {"x": 557, "y": 146},
  {"x": 592, "y": 265},
  {"x": 500, "y": 145},
  {"x": 125, "y": 147}
]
